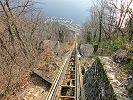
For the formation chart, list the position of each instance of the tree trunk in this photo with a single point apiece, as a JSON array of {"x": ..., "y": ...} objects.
[{"x": 100, "y": 26}]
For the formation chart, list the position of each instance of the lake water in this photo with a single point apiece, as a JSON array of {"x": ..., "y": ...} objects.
[{"x": 77, "y": 10}]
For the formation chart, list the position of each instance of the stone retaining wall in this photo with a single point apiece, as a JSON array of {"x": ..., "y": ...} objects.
[{"x": 96, "y": 83}]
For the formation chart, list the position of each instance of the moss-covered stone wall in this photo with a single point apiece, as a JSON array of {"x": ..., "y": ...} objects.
[{"x": 96, "y": 83}]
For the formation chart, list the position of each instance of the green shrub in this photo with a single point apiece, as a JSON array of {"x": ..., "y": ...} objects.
[
  {"x": 113, "y": 45},
  {"x": 104, "y": 44},
  {"x": 129, "y": 66}
]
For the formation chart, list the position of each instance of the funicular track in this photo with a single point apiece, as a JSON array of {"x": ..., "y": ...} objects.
[{"x": 66, "y": 85}]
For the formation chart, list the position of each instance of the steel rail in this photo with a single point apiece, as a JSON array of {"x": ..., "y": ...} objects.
[{"x": 53, "y": 90}]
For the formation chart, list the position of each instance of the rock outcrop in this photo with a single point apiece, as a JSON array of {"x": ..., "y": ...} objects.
[{"x": 86, "y": 50}]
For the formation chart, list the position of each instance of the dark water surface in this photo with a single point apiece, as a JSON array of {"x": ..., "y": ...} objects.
[{"x": 77, "y": 10}]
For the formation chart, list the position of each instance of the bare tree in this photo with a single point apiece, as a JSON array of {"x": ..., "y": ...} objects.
[
  {"x": 120, "y": 10},
  {"x": 19, "y": 34}
]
